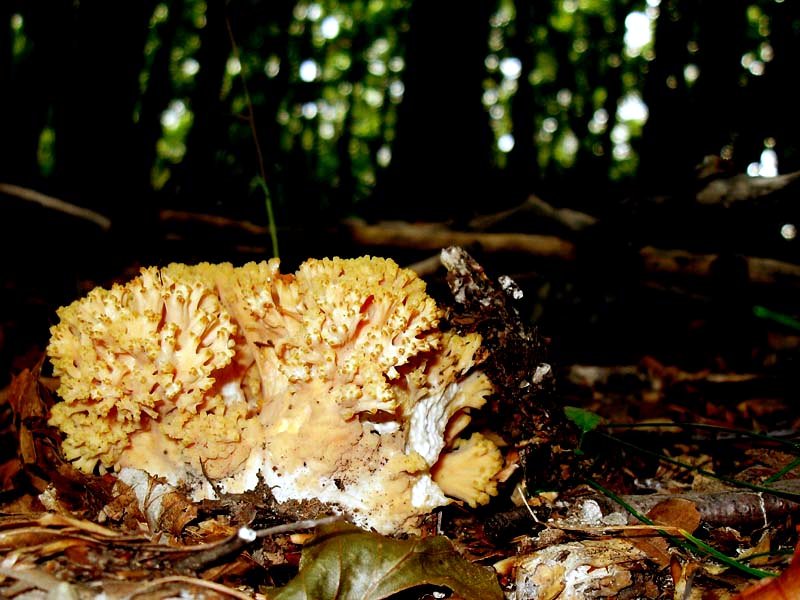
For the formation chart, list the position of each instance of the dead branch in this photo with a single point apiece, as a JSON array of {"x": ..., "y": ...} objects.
[
  {"x": 659, "y": 261},
  {"x": 182, "y": 216},
  {"x": 729, "y": 508},
  {"x": 742, "y": 188},
  {"x": 764, "y": 271},
  {"x": 591, "y": 376},
  {"x": 739, "y": 509},
  {"x": 434, "y": 236},
  {"x": 52, "y": 203},
  {"x": 572, "y": 220}
]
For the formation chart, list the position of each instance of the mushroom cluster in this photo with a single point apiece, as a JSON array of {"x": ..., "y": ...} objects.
[{"x": 334, "y": 383}]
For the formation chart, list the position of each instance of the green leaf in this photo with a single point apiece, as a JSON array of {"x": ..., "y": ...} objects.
[
  {"x": 584, "y": 419},
  {"x": 347, "y": 563}
]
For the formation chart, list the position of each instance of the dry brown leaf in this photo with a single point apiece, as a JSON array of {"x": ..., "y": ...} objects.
[
  {"x": 123, "y": 509},
  {"x": 653, "y": 545},
  {"x": 39, "y": 453},
  {"x": 676, "y": 512},
  {"x": 784, "y": 587},
  {"x": 177, "y": 512}
]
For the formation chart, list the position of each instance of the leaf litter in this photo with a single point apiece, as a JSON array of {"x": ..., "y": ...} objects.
[{"x": 549, "y": 534}]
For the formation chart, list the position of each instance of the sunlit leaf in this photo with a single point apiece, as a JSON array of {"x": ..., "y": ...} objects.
[{"x": 346, "y": 563}]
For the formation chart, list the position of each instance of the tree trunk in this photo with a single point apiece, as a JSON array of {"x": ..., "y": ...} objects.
[
  {"x": 779, "y": 101},
  {"x": 442, "y": 154},
  {"x": 523, "y": 160},
  {"x": 722, "y": 28},
  {"x": 28, "y": 87},
  {"x": 198, "y": 179},
  {"x": 666, "y": 158},
  {"x": 157, "y": 95},
  {"x": 98, "y": 87}
]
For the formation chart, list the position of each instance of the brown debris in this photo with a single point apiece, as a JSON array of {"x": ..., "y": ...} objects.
[
  {"x": 515, "y": 362},
  {"x": 75, "y": 535}
]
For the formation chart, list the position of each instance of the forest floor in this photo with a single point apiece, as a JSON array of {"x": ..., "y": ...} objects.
[{"x": 678, "y": 475}]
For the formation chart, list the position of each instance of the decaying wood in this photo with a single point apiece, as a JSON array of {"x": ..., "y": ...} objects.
[
  {"x": 588, "y": 569},
  {"x": 534, "y": 206},
  {"x": 515, "y": 363},
  {"x": 740, "y": 509},
  {"x": 653, "y": 261},
  {"x": 743, "y": 188},
  {"x": 433, "y": 236}
]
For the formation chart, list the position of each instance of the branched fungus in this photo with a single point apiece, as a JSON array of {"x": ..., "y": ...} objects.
[{"x": 334, "y": 384}]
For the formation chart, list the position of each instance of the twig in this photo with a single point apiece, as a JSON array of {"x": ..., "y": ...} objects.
[
  {"x": 251, "y": 119},
  {"x": 212, "y": 220},
  {"x": 568, "y": 218},
  {"x": 191, "y": 581},
  {"x": 52, "y": 203},
  {"x": 212, "y": 552}
]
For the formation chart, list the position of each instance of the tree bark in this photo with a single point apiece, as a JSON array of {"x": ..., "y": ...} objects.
[
  {"x": 98, "y": 87},
  {"x": 198, "y": 179},
  {"x": 443, "y": 135},
  {"x": 666, "y": 164}
]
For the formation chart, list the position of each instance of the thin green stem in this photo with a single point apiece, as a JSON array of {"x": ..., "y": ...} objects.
[
  {"x": 734, "y": 482},
  {"x": 708, "y": 427},
  {"x": 762, "y": 312},
  {"x": 787, "y": 469},
  {"x": 273, "y": 229},
  {"x": 251, "y": 119}
]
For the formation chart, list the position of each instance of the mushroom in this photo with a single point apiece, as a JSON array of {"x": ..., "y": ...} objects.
[{"x": 333, "y": 384}]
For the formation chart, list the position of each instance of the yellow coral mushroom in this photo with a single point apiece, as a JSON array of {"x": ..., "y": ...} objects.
[
  {"x": 468, "y": 471},
  {"x": 334, "y": 384}
]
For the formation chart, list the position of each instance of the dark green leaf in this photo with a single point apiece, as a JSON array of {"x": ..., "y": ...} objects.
[{"x": 346, "y": 563}]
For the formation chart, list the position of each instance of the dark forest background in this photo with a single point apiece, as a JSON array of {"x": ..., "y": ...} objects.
[{"x": 182, "y": 121}]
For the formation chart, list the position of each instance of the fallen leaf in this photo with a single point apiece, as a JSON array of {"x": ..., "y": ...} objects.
[
  {"x": 347, "y": 563},
  {"x": 784, "y": 587},
  {"x": 39, "y": 448},
  {"x": 676, "y": 512}
]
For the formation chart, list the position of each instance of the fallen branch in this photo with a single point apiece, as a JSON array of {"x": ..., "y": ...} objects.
[
  {"x": 435, "y": 236},
  {"x": 729, "y": 508},
  {"x": 572, "y": 220},
  {"x": 763, "y": 271},
  {"x": 182, "y": 216},
  {"x": 742, "y": 188},
  {"x": 52, "y": 203}
]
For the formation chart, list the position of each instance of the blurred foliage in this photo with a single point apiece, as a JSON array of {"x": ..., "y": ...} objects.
[{"x": 569, "y": 90}]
